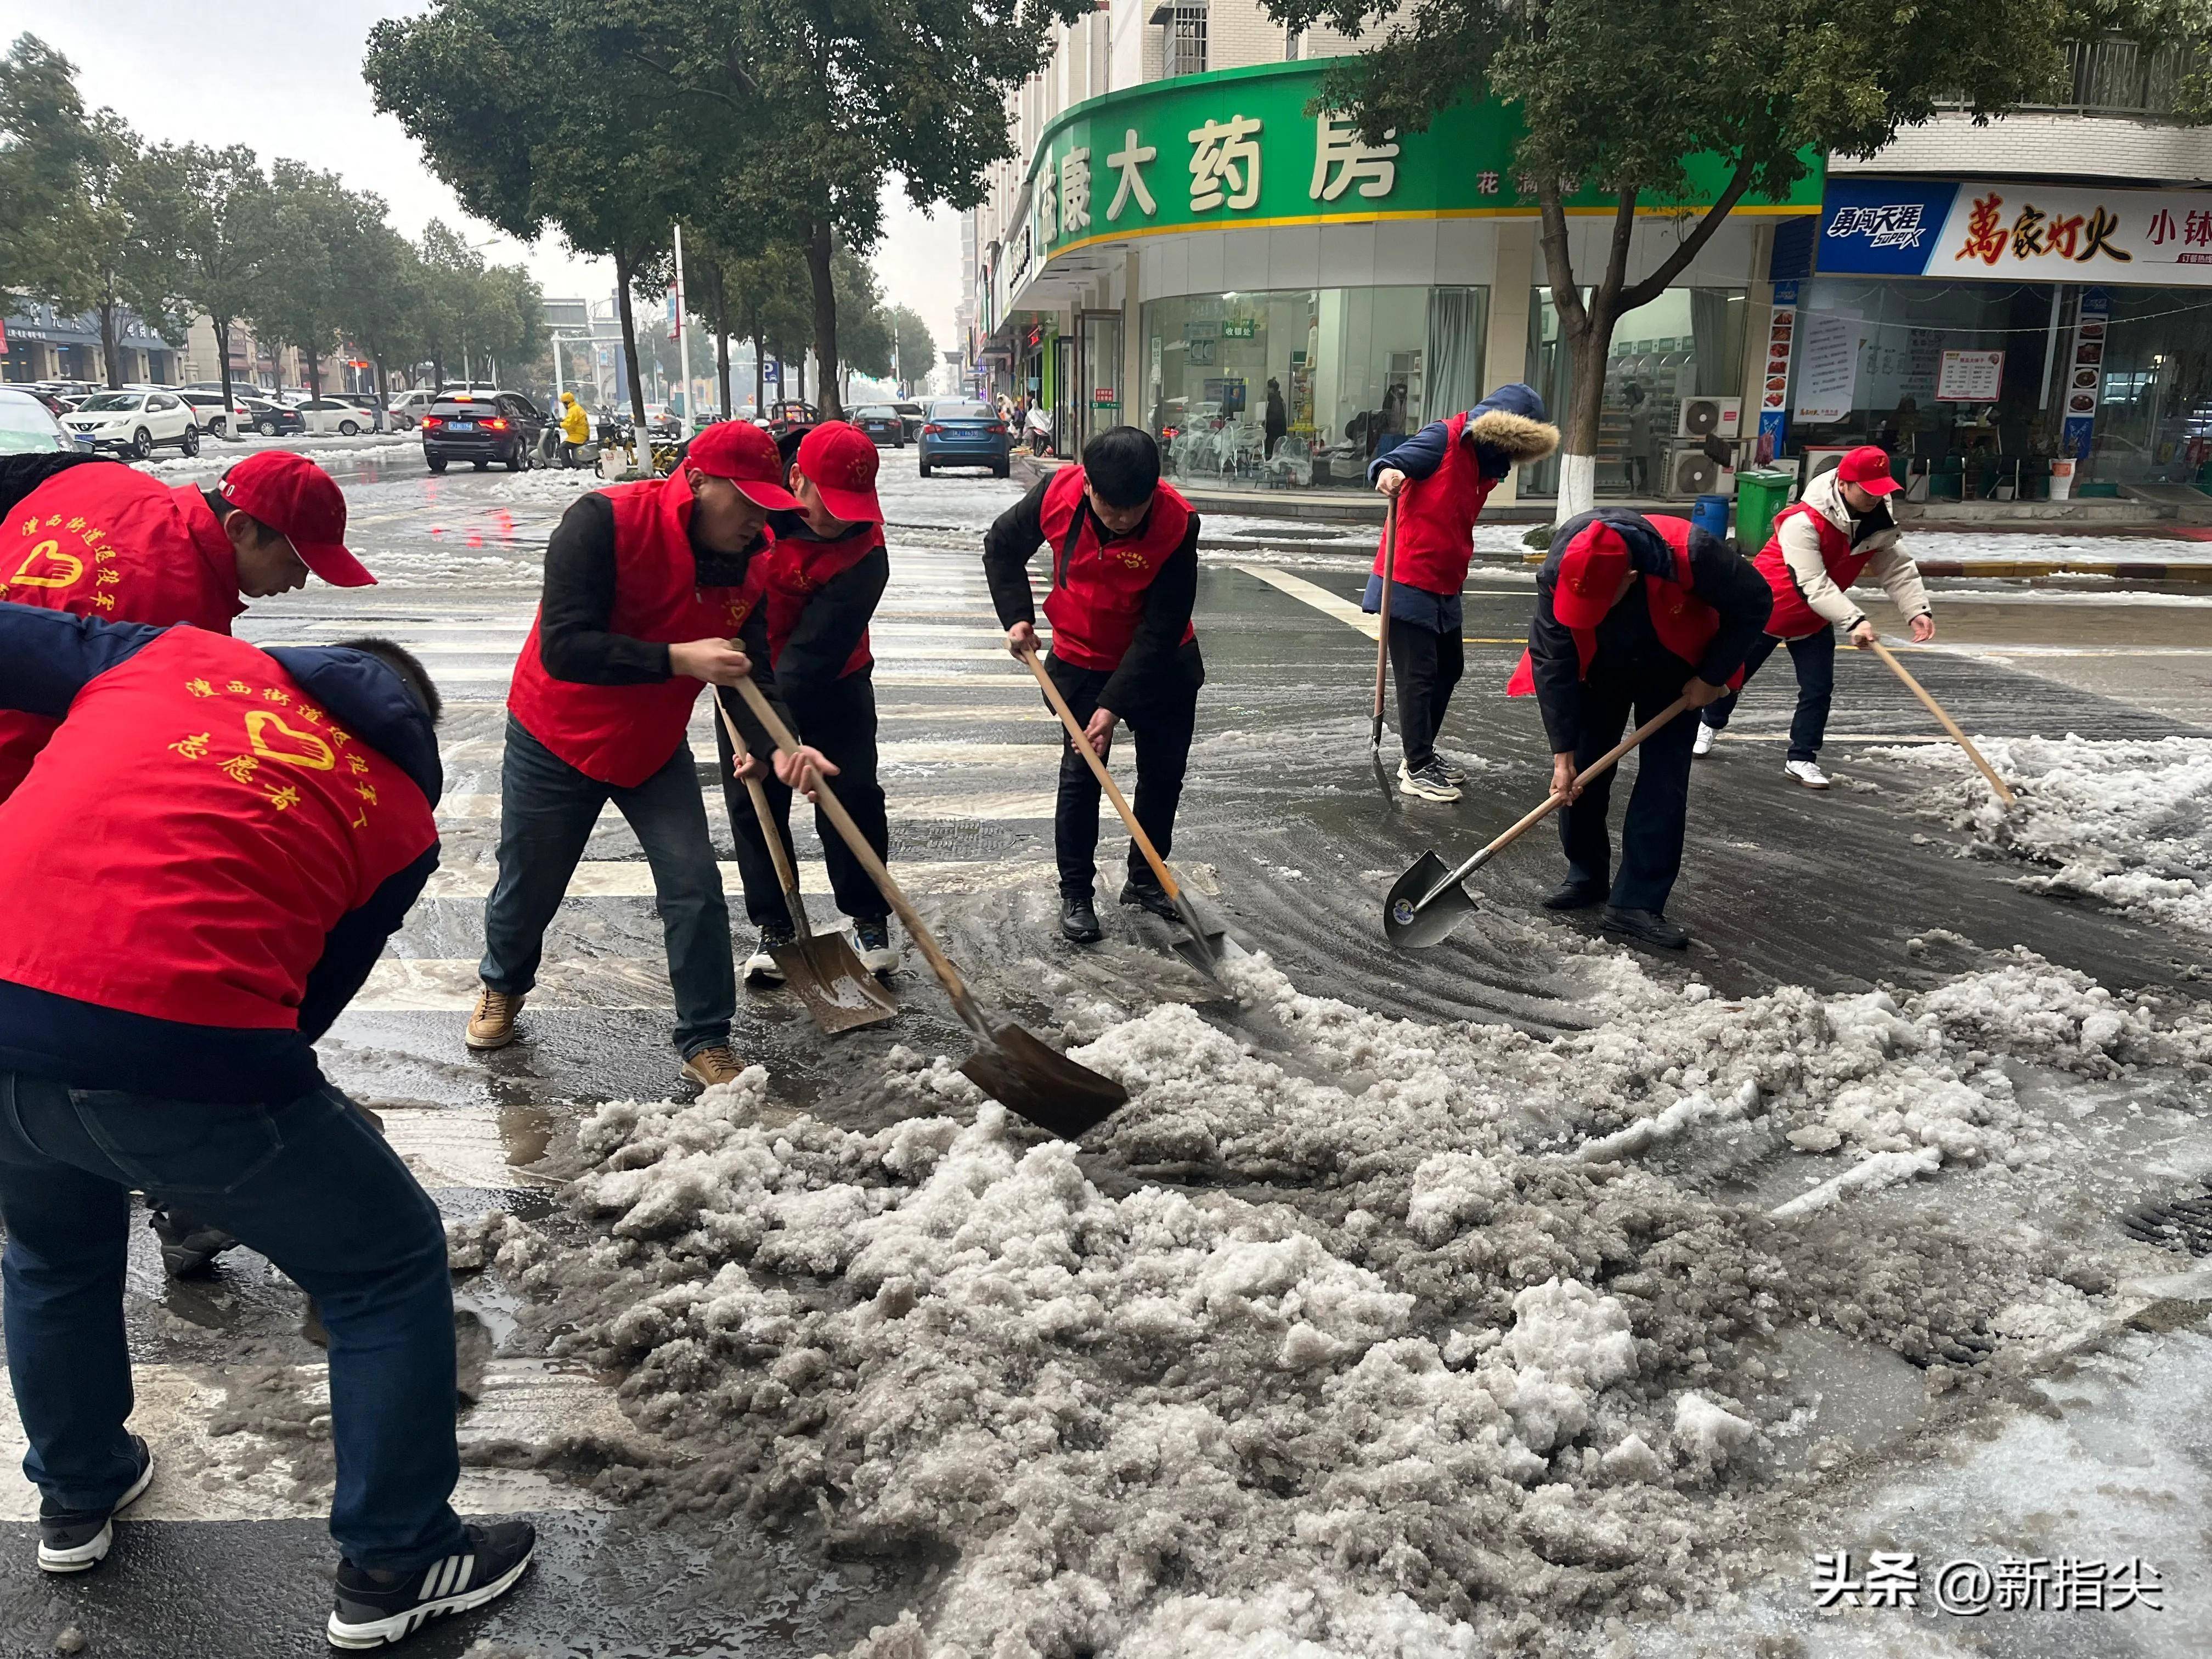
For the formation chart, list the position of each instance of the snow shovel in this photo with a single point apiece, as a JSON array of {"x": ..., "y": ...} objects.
[
  {"x": 1010, "y": 1065},
  {"x": 1949, "y": 725},
  {"x": 1198, "y": 950},
  {"x": 837, "y": 986},
  {"x": 1382, "y": 616},
  {"x": 1428, "y": 901}
]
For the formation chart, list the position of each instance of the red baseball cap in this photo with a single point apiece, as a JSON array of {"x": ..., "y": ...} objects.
[
  {"x": 745, "y": 455},
  {"x": 293, "y": 495},
  {"x": 840, "y": 461},
  {"x": 1589, "y": 575},
  {"x": 1869, "y": 468}
]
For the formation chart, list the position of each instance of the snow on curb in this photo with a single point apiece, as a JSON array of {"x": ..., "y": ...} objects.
[
  {"x": 1465, "y": 1374},
  {"x": 2126, "y": 822}
]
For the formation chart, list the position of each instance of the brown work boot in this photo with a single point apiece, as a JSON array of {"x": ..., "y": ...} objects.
[
  {"x": 713, "y": 1064},
  {"x": 492, "y": 1025}
]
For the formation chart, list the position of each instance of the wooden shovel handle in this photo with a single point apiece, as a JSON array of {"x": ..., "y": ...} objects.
[
  {"x": 849, "y": 832},
  {"x": 786, "y": 878},
  {"x": 1382, "y": 616},
  {"x": 1949, "y": 725},
  {"x": 1165, "y": 876}
]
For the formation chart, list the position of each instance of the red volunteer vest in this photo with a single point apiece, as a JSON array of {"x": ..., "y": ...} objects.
[
  {"x": 191, "y": 836},
  {"x": 1098, "y": 595},
  {"x": 623, "y": 734},
  {"x": 790, "y": 573},
  {"x": 108, "y": 541},
  {"x": 1435, "y": 519},
  {"x": 1684, "y": 624},
  {"x": 1794, "y": 619}
]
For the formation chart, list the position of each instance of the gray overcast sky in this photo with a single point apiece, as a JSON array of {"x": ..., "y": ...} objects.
[{"x": 286, "y": 80}]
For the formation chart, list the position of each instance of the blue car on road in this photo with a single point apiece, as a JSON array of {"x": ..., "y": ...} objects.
[{"x": 961, "y": 432}]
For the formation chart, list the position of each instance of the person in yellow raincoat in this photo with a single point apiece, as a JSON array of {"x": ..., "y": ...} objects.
[{"x": 575, "y": 429}]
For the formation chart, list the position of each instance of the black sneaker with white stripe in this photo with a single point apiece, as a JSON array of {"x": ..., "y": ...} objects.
[
  {"x": 70, "y": 1540},
  {"x": 377, "y": 1608}
]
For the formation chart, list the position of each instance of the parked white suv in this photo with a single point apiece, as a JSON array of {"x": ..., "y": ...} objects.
[
  {"x": 408, "y": 408},
  {"x": 207, "y": 410},
  {"x": 132, "y": 422}
]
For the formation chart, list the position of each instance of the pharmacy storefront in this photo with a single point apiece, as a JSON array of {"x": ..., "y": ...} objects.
[
  {"x": 1981, "y": 329},
  {"x": 1278, "y": 301}
]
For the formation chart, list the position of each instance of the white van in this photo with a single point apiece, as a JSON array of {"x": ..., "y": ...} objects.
[{"x": 408, "y": 408}]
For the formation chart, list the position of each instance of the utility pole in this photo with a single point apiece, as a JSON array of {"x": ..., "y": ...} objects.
[{"x": 683, "y": 337}]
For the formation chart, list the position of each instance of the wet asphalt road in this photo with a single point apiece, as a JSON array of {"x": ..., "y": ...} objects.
[{"x": 1286, "y": 826}]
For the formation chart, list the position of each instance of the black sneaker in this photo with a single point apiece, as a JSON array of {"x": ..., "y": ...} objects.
[
  {"x": 1574, "y": 896},
  {"x": 1645, "y": 927},
  {"x": 761, "y": 967},
  {"x": 376, "y": 1608},
  {"x": 1078, "y": 921},
  {"x": 873, "y": 937},
  {"x": 1145, "y": 891},
  {"x": 70, "y": 1540},
  {"x": 188, "y": 1246}
]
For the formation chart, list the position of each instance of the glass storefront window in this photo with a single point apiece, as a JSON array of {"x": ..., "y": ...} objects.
[
  {"x": 2154, "y": 405},
  {"x": 1302, "y": 388},
  {"x": 1688, "y": 342}
]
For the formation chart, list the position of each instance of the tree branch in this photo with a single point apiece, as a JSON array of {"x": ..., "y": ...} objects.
[
  {"x": 1643, "y": 293},
  {"x": 1558, "y": 261}
]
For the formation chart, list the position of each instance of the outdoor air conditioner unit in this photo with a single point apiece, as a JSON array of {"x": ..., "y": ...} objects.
[
  {"x": 1691, "y": 472},
  {"x": 1822, "y": 458},
  {"x": 1709, "y": 417}
]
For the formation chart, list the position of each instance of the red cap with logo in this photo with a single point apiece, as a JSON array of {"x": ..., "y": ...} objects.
[
  {"x": 1589, "y": 575},
  {"x": 745, "y": 455},
  {"x": 840, "y": 461},
  {"x": 1869, "y": 468},
  {"x": 294, "y": 497}
]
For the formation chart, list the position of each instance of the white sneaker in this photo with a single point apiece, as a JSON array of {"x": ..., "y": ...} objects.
[
  {"x": 1706, "y": 735},
  {"x": 1427, "y": 784},
  {"x": 1807, "y": 773}
]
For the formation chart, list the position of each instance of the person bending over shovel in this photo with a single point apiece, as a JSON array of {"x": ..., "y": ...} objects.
[
  {"x": 1631, "y": 613},
  {"x": 1124, "y": 578},
  {"x": 1440, "y": 478},
  {"x": 822, "y": 579},
  {"x": 1818, "y": 547}
]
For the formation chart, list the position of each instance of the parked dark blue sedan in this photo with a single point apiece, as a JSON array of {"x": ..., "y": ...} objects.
[{"x": 961, "y": 432}]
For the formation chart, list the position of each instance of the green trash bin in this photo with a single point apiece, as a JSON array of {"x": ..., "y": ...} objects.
[{"x": 1759, "y": 495}]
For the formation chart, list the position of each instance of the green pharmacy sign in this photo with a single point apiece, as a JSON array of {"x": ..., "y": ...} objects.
[{"x": 1238, "y": 148}]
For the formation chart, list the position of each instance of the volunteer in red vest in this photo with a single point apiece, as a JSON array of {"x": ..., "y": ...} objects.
[
  {"x": 1841, "y": 531},
  {"x": 203, "y": 868},
  {"x": 1631, "y": 613},
  {"x": 1124, "y": 550},
  {"x": 1441, "y": 477},
  {"x": 646, "y": 601},
  {"x": 101, "y": 539},
  {"x": 820, "y": 582}
]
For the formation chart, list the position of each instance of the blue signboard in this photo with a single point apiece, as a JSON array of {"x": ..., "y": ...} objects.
[{"x": 1882, "y": 226}]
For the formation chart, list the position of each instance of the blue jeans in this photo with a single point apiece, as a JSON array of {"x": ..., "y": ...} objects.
[
  {"x": 1814, "y": 659},
  {"x": 546, "y": 811},
  {"x": 307, "y": 1183}
]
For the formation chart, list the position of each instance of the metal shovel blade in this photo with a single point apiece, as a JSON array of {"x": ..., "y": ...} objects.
[
  {"x": 839, "y": 992},
  {"x": 1051, "y": 1090},
  {"x": 1406, "y": 922},
  {"x": 1202, "y": 948}
]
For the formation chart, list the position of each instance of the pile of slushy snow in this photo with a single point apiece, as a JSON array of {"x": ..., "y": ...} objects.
[
  {"x": 1348, "y": 1336},
  {"x": 2126, "y": 822}
]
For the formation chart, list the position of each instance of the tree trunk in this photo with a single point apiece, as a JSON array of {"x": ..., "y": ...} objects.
[
  {"x": 802, "y": 377},
  {"x": 110, "y": 350},
  {"x": 760, "y": 374},
  {"x": 438, "y": 374},
  {"x": 825, "y": 318},
  {"x": 623, "y": 268},
  {"x": 222, "y": 325},
  {"x": 381, "y": 383}
]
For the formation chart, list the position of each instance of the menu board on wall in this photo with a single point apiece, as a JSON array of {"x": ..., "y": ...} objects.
[
  {"x": 2085, "y": 373},
  {"x": 1828, "y": 370},
  {"x": 1970, "y": 377}
]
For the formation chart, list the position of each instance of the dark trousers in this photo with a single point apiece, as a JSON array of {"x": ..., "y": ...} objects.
[
  {"x": 1428, "y": 665},
  {"x": 1162, "y": 728},
  {"x": 840, "y": 721},
  {"x": 546, "y": 811},
  {"x": 1814, "y": 659},
  {"x": 309, "y": 1184},
  {"x": 1658, "y": 807}
]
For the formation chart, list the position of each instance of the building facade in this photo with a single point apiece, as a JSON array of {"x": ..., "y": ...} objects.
[
  {"x": 1982, "y": 300},
  {"x": 47, "y": 345}
]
